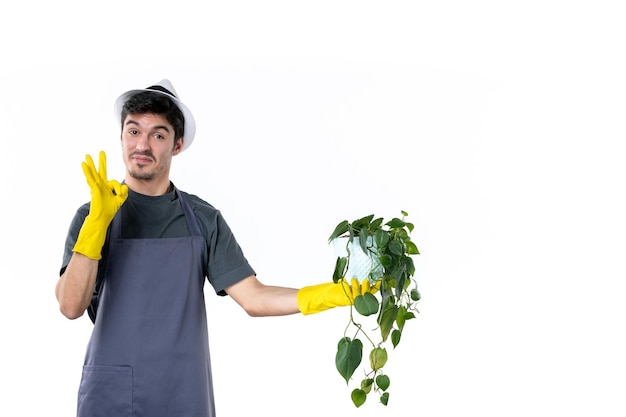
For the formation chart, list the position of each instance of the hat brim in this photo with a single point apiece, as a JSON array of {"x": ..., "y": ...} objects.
[{"x": 190, "y": 122}]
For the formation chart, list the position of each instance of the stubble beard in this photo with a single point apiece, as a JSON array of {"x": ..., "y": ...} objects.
[{"x": 141, "y": 175}]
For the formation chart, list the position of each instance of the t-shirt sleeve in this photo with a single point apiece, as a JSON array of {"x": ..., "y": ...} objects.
[
  {"x": 227, "y": 264},
  {"x": 72, "y": 235}
]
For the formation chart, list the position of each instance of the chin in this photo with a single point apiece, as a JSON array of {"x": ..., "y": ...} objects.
[{"x": 141, "y": 175}]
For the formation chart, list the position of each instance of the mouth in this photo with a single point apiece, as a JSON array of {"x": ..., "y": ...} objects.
[{"x": 142, "y": 159}]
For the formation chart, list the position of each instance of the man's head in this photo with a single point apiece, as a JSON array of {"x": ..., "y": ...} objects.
[
  {"x": 160, "y": 99},
  {"x": 156, "y": 126}
]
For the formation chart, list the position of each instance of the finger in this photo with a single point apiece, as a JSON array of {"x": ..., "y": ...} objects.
[
  {"x": 356, "y": 287},
  {"x": 123, "y": 192},
  {"x": 376, "y": 286},
  {"x": 89, "y": 169},
  {"x": 365, "y": 286},
  {"x": 102, "y": 166},
  {"x": 119, "y": 190}
]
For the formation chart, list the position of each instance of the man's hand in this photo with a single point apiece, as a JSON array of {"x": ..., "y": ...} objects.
[
  {"x": 107, "y": 196},
  {"x": 321, "y": 297}
]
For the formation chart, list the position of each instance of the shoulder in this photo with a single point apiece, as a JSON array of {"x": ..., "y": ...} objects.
[
  {"x": 198, "y": 204},
  {"x": 209, "y": 216}
]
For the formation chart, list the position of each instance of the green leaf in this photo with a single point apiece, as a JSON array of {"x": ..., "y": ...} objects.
[
  {"x": 340, "y": 269},
  {"x": 386, "y": 319},
  {"x": 366, "y": 304},
  {"x": 399, "y": 278},
  {"x": 411, "y": 248},
  {"x": 384, "y": 398},
  {"x": 375, "y": 225},
  {"x": 366, "y": 385},
  {"x": 378, "y": 358},
  {"x": 385, "y": 261},
  {"x": 348, "y": 358},
  {"x": 400, "y": 283},
  {"x": 363, "y": 222},
  {"x": 395, "y": 223},
  {"x": 409, "y": 265},
  {"x": 395, "y": 248},
  {"x": 363, "y": 242},
  {"x": 415, "y": 295},
  {"x": 400, "y": 318},
  {"x": 395, "y": 337},
  {"x": 409, "y": 315},
  {"x": 402, "y": 235},
  {"x": 341, "y": 229},
  {"x": 358, "y": 397},
  {"x": 383, "y": 382},
  {"x": 398, "y": 271},
  {"x": 381, "y": 238}
]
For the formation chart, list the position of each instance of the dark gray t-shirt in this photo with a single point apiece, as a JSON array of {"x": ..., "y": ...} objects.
[{"x": 146, "y": 217}]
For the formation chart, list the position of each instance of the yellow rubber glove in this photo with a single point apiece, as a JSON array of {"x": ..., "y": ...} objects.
[
  {"x": 316, "y": 298},
  {"x": 107, "y": 196}
]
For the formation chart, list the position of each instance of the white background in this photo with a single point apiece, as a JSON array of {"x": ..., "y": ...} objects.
[{"x": 498, "y": 126}]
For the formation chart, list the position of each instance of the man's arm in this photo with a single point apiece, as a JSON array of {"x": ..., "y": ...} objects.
[
  {"x": 260, "y": 300},
  {"x": 74, "y": 288},
  {"x": 263, "y": 300}
]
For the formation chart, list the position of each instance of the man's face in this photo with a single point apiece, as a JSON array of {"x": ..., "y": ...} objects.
[{"x": 148, "y": 146}]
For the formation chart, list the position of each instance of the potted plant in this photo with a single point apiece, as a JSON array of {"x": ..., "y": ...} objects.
[{"x": 370, "y": 248}]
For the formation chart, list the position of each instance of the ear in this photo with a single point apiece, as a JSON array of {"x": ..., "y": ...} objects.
[{"x": 178, "y": 147}]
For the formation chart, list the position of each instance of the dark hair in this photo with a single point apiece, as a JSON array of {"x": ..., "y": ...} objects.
[{"x": 149, "y": 102}]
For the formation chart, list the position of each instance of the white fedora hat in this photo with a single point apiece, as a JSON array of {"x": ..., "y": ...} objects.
[{"x": 166, "y": 88}]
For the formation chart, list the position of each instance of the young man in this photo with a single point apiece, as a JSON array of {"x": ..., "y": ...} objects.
[{"x": 136, "y": 258}]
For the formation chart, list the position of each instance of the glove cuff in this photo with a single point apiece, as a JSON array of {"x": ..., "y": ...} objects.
[
  {"x": 304, "y": 301},
  {"x": 321, "y": 297},
  {"x": 312, "y": 299},
  {"x": 91, "y": 239}
]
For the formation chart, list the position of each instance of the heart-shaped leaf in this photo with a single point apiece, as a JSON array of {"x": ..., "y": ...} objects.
[
  {"x": 341, "y": 228},
  {"x": 378, "y": 358},
  {"x": 366, "y": 304},
  {"x": 358, "y": 397},
  {"x": 348, "y": 358},
  {"x": 383, "y": 382},
  {"x": 366, "y": 385},
  {"x": 395, "y": 337}
]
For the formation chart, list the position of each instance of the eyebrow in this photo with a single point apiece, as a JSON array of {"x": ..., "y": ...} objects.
[{"x": 132, "y": 122}]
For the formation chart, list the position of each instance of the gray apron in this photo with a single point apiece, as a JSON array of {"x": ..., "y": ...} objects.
[{"x": 148, "y": 355}]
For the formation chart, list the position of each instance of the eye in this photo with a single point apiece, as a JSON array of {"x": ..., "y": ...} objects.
[
  {"x": 159, "y": 136},
  {"x": 133, "y": 132}
]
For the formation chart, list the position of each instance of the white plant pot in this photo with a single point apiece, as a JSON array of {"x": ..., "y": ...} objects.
[{"x": 361, "y": 265}]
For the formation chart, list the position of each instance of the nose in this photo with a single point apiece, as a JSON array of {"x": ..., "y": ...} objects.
[{"x": 143, "y": 142}]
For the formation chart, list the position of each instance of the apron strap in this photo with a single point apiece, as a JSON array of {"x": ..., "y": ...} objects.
[{"x": 190, "y": 217}]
